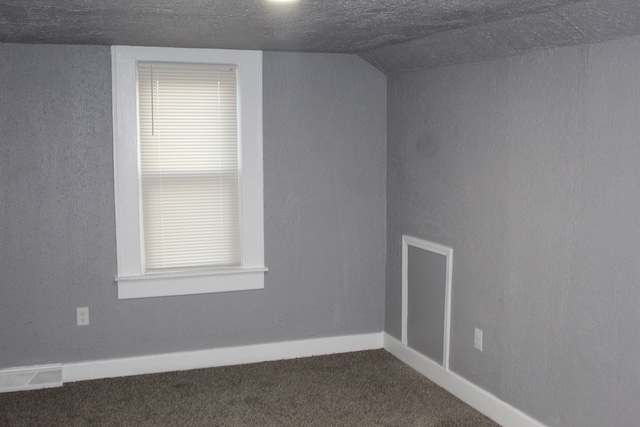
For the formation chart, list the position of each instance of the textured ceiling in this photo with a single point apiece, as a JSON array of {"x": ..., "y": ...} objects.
[{"x": 393, "y": 35}]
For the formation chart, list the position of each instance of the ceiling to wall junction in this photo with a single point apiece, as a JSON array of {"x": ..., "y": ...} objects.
[{"x": 393, "y": 35}]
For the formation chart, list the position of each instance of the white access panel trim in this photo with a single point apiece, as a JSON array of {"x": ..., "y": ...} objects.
[{"x": 448, "y": 254}]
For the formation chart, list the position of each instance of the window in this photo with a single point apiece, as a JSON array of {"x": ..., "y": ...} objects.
[
  {"x": 189, "y": 176},
  {"x": 188, "y": 170}
]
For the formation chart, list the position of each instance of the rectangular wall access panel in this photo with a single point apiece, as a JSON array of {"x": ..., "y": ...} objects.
[
  {"x": 426, "y": 298},
  {"x": 427, "y": 272}
]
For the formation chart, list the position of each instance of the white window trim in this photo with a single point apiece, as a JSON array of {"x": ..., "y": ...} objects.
[{"x": 131, "y": 280}]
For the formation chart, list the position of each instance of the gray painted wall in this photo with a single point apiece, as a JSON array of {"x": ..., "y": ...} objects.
[
  {"x": 426, "y": 290},
  {"x": 325, "y": 154},
  {"x": 529, "y": 168}
]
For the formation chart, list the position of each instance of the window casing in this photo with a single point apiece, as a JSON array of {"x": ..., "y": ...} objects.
[{"x": 134, "y": 278}]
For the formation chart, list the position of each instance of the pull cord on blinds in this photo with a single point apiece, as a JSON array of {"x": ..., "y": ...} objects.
[{"x": 188, "y": 136}]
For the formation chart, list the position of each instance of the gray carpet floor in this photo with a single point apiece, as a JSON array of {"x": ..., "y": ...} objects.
[{"x": 367, "y": 388}]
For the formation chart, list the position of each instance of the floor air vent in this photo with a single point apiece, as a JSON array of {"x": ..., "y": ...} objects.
[{"x": 30, "y": 378}]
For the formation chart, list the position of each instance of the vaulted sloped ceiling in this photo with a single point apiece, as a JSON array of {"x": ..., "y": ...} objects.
[{"x": 393, "y": 35}]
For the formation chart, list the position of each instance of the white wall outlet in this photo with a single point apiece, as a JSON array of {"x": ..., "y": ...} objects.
[
  {"x": 82, "y": 316},
  {"x": 477, "y": 339}
]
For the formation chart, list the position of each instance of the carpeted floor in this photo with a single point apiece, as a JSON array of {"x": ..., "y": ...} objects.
[{"x": 367, "y": 388}]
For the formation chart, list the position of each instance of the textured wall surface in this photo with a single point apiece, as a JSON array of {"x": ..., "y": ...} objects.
[
  {"x": 325, "y": 197},
  {"x": 324, "y": 148},
  {"x": 529, "y": 169}
]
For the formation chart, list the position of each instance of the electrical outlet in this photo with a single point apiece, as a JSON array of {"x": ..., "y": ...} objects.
[
  {"x": 477, "y": 339},
  {"x": 82, "y": 316}
]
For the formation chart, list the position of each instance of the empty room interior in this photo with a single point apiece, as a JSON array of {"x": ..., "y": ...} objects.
[{"x": 503, "y": 133}]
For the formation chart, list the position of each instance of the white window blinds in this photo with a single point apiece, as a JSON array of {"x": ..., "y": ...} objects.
[{"x": 189, "y": 172}]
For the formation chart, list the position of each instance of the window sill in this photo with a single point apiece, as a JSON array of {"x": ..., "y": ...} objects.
[{"x": 190, "y": 283}]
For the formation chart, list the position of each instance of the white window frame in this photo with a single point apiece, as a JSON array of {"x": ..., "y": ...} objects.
[{"x": 131, "y": 279}]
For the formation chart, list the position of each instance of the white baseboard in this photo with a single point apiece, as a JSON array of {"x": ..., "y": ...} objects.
[
  {"x": 218, "y": 357},
  {"x": 483, "y": 401},
  {"x": 499, "y": 411}
]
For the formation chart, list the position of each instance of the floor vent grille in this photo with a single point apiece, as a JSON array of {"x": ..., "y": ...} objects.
[{"x": 31, "y": 378}]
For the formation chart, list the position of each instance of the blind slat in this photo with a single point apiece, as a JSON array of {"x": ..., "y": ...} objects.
[{"x": 188, "y": 131}]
